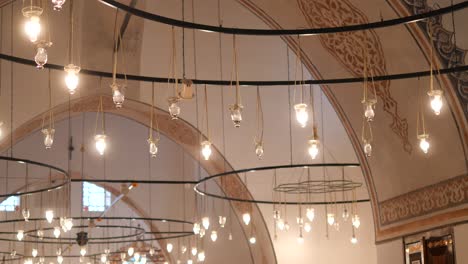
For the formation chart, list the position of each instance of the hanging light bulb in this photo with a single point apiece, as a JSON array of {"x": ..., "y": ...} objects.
[
  {"x": 174, "y": 108},
  {"x": 424, "y": 143},
  {"x": 222, "y": 221},
  {"x": 57, "y": 232},
  {"x": 103, "y": 258},
  {"x": 20, "y": 235},
  {"x": 300, "y": 239},
  {"x": 206, "y": 222},
  {"x": 130, "y": 251},
  {"x": 336, "y": 225},
  {"x": 42, "y": 57},
  {"x": 118, "y": 95},
  {"x": 40, "y": 234},
  {"x": 310, "y": 214},
  {"x": 276, "y": 215},
  {"x": 236, "y": 114},
  {"x": 100, "y": 142},
  {"x": 436, "y": 100},
  {"x": 280, "y": 224},
  {"x": 196, "y": 228},
  {"x": 123, "y": 256},
  {"x": 214, "y": 236},
  {"x": 26, "y": 214},
  {"x": 354, "y": 239},
  {"x": 194, "y": 251},
  {"x": 302, "y": 116},
  {"x": 32, "y": 28},
  {"x": 13, "y": 253},
  {"x": 60, "y": 259},
  {"x": 259, "y": 149},
  {"x": 300, "y": 221},
  {"x": 143, "y": 259},
  {"x": 151, "y": 251},
  {"x": 206, "y": 149},
  {"x": 58, "y": 4},
  {"x": 49, "y": 214},
  {"x": 136, "y": 256},
  {"x": 246, "y": 218},
  {"x": 307, "y": 227},
  {"x": 202, "y": 232},
  {"x": 330, "y": 219},
  {"x": 356, "y": 221},
  {"x": 169, "y": 247},
  {"x": 313, "y": 148},
  {"x": 41, "y": 260},
  {"x": 28, "y": 261},
  {"x": 153, "y": 147},
  {"x": 367, "y": 148},
  {"x": 201, "y": 256},
  {"x": 34, "y": 253},
  {"x": 286, "y": 226},
  {"x": 369, "y": 112},
  {"x": 345, "y": 214},
  {"x": 69, "y": 224},
  {"x": 71, "y": 79},
  {"x": 183, "y": 249},
  {"x": 230, "y": 237},
  {"x": 189, "y": 261},
  {"x": 252, "y": 240},
  {"x": 48, "y": 137},
  {"x": 83, "y": 251}
]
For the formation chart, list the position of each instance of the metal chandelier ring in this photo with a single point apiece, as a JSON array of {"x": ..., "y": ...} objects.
[
  {"x": 283, "y": 32},
  {"x": 138, "y": 232}
]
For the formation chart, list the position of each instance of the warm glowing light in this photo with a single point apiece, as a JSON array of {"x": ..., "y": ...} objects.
[
  {"x": 368, "y": 149},
  {"x": 286, "y": 226},
  {"x": 302, "y": 116},
  {"x": 123, "y": 256},
  {"x": 40, "y": 234},
  {"x": 246, "y": 218},
  {"x": 83, "y": 251},
  {"x": 202, "y": 232},
  {"x": 259, "y": 150},
  {"x": 151, "y": 251},
  {"x": 136, "y": 256},
  {"x": 230, "y": 237},
  {"x": 58, "y": 4},
  {"x": 130, "y": 251},
  {"x": 68, "y": 224},
  {"x": 194, "y": 251},
  {"x": 310, "y": 214},
  {"x": 153, "y": 147},
  {"x": 280, "y": 224},
  {"x": 206, "y": 222},
  {"x": 307, "y": 227},
  {"x": 206, "y": 149},
  {"x": 100, "y": 142},
  {"x": 436, "y": 100},
  {"x": 222, "y": 221},
  {"x": 354, "y": 239},
  {"x": 331, "y": 219},
  {"x": 169, "y": 247},
  {"x": 32, "y": 28},
  {"x": 252, "y": 240},
  {"x": 300, "y": 239},
  {"x": 48, "y": 137},
  {"x": 189, "y": 261},
  {"x": 356, "y": 221},
  {"x": 41, "y": 57},
  {"x": 34, "y": 253},
  {"x": 345, "y": 214},
  {"x": 59, "y": 259},
  {"x": 214, "y": 236},
  {"x": 26, "y": 214},
  {"x": 183, "y": 249},
  {"x": 49, "y": 214},
  {"x": 57, "y": 232},
  {"x": 28, "y": 261},
  {"x": 71, "y": 79},
  {"x": 20, "y": 235},
  {"x": 196, "y": 228},
  {"x": 118, "y": 96},
  {"x": 174, "y": 108},
  {"x": 201, "y": 256},
  {"x": 143, "y": 259},
  {"x": 236, "y": 114},
  {"x": 103, "y": 258},
  {"x": 369, "y": 112},
  {"x": 424, "y": 143},
  {"x": 313, "y": 148}
]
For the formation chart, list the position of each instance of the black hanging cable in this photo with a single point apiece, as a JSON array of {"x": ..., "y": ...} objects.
[{"x": 11, "y": 83}]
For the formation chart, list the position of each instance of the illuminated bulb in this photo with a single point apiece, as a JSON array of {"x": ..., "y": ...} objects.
[
  {"x": 48, "y": 137},
  {"x": 276, "y": 215},
  {"x": 201, "y": 256},
  {"x": 174, "y": 108},
  {"x": 83, "y": 251},
  {"x": 310, "y": 214},
  {"x": 367, "y": 149},
  {"x": 196, "y": 228},
  {"x": 300, "y": 239},
  {"x": 40, "y": 234},
  {"x": 118, "y": 97},
  {"x": 202, "y": 232},
  {"x": 206, "y": 222},
  {"x": 356, "y": 221},
  {"x": 68, "y": 224},
  {"x": 169, "y": 247},
  {"x": 58, "y": 4},
  {"x": 49, "y": 214},
  {"x": 246, "y": 218},
  {"x": 236, "y": 114},
  {"x": 123, "y": 256},
  {"x": 33, "y": 28},
  {"x": 194, "y": 251},
  {"x": 136, "y": 257},
  {"x": 313, "y": 148},
  {"x": 153, "y": 147},
  {"x": 130, "y": 251},
  {"x": 26, "y": 214},
  {"x": 436, "y": 100},
  {"x": 307, "y": 227},
  {"x": 151, "y": 251},
  {"x": 103, "y": 258},
  {"x": 107, "y": 251},
  {"x": 331, "y": 219},
  {"x": 345, "y": 214},
  {"x": 214, "y": 236},
  {"x": 183, "y": 249},
  {"x": 423, "y": 143},
  {"x": 100, "y": 142},
  {"x": 336, "y": 225},
  {"x": 222, "y": 221},
  {"x": 28, "y": 261},
  {"x": 206, "y": 149},
  {"x": 354, "y": 239},
  {"x": 259, "y": 150},
  {"x": 189, "y": 261},
  {"x": 252, "y": 240},
  {"x": 59, "y": 259},
  {"x": 71, "y": 79},
  {"x": 57, "y": 232},
  {"x": 302, "y": 116},
  {"x": 230, "y": 237},
  {"x": 280, "y": 224},
  {"x": 143, "y": 259},
  {"x": 41, "y": 57},
  {"x": 20, "y": 235},
  {"x": 369, "y": 112},
  {"x": 41, "y": 260},
  {"x": 13, "y": 253},
  {"x": 300, "y": 221},
  {"x": 34, "y": 253},
  {"x": 286, "y": 226}
]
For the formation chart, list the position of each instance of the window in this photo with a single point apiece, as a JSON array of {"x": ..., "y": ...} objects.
[
  {"x": 95, "y": 198},
  {"x": 10, "y": 204}
]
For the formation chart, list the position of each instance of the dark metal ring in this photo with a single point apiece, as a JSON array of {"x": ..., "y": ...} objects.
[
  {"x": 139, "y": 231},
  {"x": 318, "y": 186},
  {"x": 235, "y": 172},
  {"x": 283, "y": 32},
  {"x": 40, "y": 164}
]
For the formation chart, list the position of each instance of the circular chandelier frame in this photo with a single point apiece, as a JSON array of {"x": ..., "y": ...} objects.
[
  {"x": 139, "y": 231},
  {"x": 198, "y": 189},
  {"x": 318, "y": 187},
  {"x": 283, "y": 32},
  {"x": 39, "y": 164}
]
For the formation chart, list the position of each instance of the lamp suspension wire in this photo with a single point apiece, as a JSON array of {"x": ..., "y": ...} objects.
[
  {"x": 12, "y": 80},
  {"x": 70, "y": 44},
  {"x": 420, "y": 124},
  {"x": 289, "y": 105},
  {"x": 260, "y": 121},
  {"x": 206, "y": 114},
  {"x": 183, "y": 40},
  {"x": 114, "y": 54}
]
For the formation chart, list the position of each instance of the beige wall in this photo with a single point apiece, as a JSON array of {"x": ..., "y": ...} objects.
[
  {"x": 390, "y": 252},
  {"x": 461, "y": 243}
]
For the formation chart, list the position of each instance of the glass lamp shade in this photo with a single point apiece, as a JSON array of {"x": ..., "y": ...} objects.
[
  {"x": 236, "y": 114},
  {"x": 174, "y": 108},
  {"x": 26, "y": 214},
  {"x": 276, "y": 215},
  {"x": 300, "y": 239},
  {"x": 202, "y": 232},
  {"x": 222, "y": 221},
  {"x": 206, "y": 149},
  {"x": 20, "y": 235},
  {"x": 201, "y": 256},
  {"x": 152, "y": 251},
  {"x": 169, "y": 247},
  {"x": 118, "y": 94},
  {"x": 103, "y": 258},
  {"x": 206, "y": 222},
  {"x": 123, "y": 256},
  {"x": 424, "y": 143},
  {"x": 41, "y": 57},
  {"x": 310, "y": 214},
  {"x": 214, "y": 236},
  {"x": 345, "y": 214},
  {"x": 32, "y": 27},
  {"x": 230, "y": 237},
  {"x": 246, "y": 218},
  {"x": 356, "y": 221},
  {"x": 130, "y": 251},
  {"x": 354, "y": 239},
  {"x": 367, "y": 149},
  {"x": 49, "y": 214},
  {"x": 302, "y": 116},
  {"x": 143, "y": 259},
  {"x": 100, "y": 143},
  {"x": 196, "y": 228},
  {"x": 252, "y": 240},
  {"x": 28, "y": 261},
  {"x": 436, "y": 100},
  {"x": 57, "y": 232},
  {"x": 313, "y": 148},
  {"x": 369, "y": 112},
  {"x": 40, "y": 234},
  {"x": 194, "y": 251},
  {"x": 307, "y": 227},
  {"x": 48, "y": 134},
  {"x": 136, "y": 256},
  {"x": 280, "y": 224},
  {"x": 187, "y": 89},
  {"x": 60, "y": 259},
  {"x": 58, "y": 4},
  {"x": 13, "y": 253},
  {"x": 68, "y": 224},
  {"x": 153, "y": 147},
  {"x": 189, "y": 261},
  {"x": 71, "y": 78},
  {"x": 330, "y": 219},
  {"x": 259, "y": 151},
  {"x": 183, "y": 249},
  {"x": 83, "y": 251}
]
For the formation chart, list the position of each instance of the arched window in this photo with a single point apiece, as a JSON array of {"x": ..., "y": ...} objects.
[
  {"x": 95, "y": 198},
  {"x": 10, "y": 204}
]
